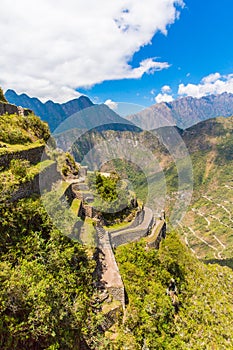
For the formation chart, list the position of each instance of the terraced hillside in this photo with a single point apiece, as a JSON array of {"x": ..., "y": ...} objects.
[
  {"x": 149, "y": 160},
  {"x": 207, "y": 227}
]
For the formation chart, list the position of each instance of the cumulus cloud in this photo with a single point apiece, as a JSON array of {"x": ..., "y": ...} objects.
[
  {"x": 52, "y": 48},
  {"x": 165, "y": 95},
  {"x": 212, "y": 84},
  {"x": 163, "y": 98},
  {"x": 166, "y": 88},
  {"x": 111, "y": 104}
]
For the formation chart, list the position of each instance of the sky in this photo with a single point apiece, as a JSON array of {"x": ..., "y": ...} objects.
[{"x": 129, "y": 51}]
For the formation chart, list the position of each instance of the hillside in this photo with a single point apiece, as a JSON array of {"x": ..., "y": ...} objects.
[
  {"x": 98, "y": 117},
  {"x": 46, "y": 278},
  {"x": 184, "y": 112},
  {"x": 208, "y": 226},
  {"x": 144, "y": 158},
  {"x": 203, "y": 314},
  {"x": 49, "y": 296},
  {"x": 50, "y": 112}
]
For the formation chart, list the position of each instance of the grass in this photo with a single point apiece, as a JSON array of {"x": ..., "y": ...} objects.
[
  {"x": 155, "y": 232},
  {"x": 10, "y": 181},
  {"x": 8, "y": 148},
  {"x": 61, "y": 188},
  {"x": 88, "y": 234},
  {"x": 117, "y": 226},
  {"x": 75, "y": 206},
  {"x": 40, "y": 167}
]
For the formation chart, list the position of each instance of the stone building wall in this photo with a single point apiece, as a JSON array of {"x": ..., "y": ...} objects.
[{"x": 7, "y": 108}]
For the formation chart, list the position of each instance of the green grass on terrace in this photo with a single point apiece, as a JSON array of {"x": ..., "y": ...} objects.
[
  {"x": 88, "y": 234},
  {"x": 117, "y": 226},
  {"x": 10, "y": 180},
  {"x": 7, "y": 148},
  {"x": 61, "y": 188},
  {"x": 75, "y": 206},
  {"x": 155, "y": 231},
  {"x": 39, "y": 167}
]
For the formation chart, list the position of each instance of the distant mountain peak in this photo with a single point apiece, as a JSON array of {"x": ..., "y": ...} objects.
[
  {"x": 184, "y": 112},
  {"x": 51, "y": 112}
]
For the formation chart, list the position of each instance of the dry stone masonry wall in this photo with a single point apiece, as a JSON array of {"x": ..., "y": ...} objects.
[{"x": 33, "y": 155}]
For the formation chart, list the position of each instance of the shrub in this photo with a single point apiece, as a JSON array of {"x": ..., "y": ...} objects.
[{"x": 19, "y": 168}]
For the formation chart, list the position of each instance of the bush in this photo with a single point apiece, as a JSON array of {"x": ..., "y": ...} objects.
[{"x": 19, "y": 168}]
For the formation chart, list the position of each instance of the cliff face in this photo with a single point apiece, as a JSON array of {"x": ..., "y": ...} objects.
[{"x": 184, "y": 112}]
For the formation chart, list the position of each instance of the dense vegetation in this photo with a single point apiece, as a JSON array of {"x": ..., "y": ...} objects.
[
  {"x": 16, "y": 129},
  {"x": 46, "y": 282},
  {"x": 205, "y": 313},
  {"x": 111, "y": 194}
]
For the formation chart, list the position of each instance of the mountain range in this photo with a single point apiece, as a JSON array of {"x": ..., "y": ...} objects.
[
  {"x": 50, "y": 112},
  {"x": 183, "y": 112}
]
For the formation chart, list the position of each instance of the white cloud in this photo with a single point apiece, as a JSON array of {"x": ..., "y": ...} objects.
[
  {"x": 163, "y": 98},
  {"x": 212, "y": 78},
  {"x": 212, "y": 84},
  {"x": 51, "y": 48},
  {"x": 166, "y": 88},
  {"x": 111, "y": 104}
]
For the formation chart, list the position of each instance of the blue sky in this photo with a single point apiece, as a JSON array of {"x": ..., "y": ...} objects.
[
  {"x": 196, "y": 45},
  {"x": 130, "y": 51}
]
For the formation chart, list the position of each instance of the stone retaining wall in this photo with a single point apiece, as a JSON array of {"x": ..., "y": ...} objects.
[
  {"x": 33, "y": 155},
  {"x": 136, "y": 222},
  {"x": 128, "y": 236},
  {"x": 161, "y": 235},
  {"x": 134, "y": 233},
  {"x": 25, "y": 190},
  {"x": 68, "y": 195}
]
